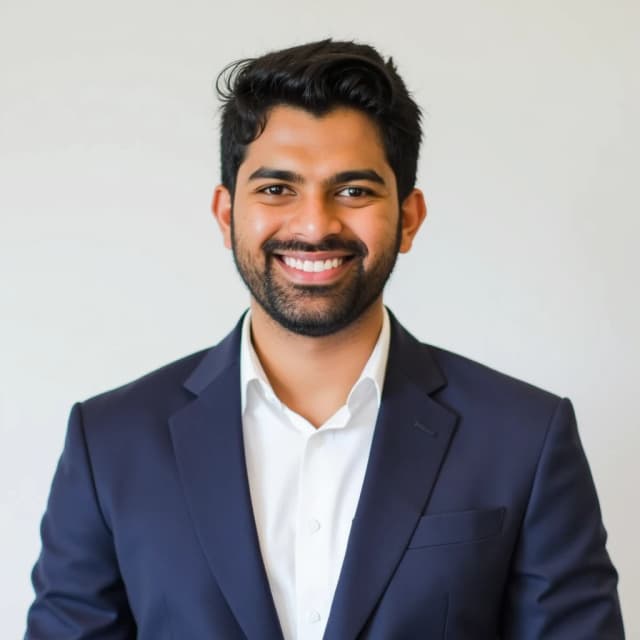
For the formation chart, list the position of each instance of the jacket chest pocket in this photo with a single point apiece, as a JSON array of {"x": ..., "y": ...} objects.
[{"x": 457, "y": 527}]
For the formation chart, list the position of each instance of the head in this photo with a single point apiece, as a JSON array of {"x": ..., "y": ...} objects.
[{"x": 319, "y": 152}]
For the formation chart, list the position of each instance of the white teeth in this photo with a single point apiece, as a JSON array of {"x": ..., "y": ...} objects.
[{"x": 314, "y": 266}]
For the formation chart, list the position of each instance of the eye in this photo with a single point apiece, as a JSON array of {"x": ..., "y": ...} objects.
[
  {"x": 354, "y": 192},
  {"x": 274, "y": 189}
]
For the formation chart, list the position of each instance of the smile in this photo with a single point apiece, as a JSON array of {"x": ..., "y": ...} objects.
[{"x": 312, "y": 266}]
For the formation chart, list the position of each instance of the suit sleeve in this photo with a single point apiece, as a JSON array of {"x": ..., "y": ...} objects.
[
  {"x": 563, "y": 585},
  {"x": 78, "y": 587}
]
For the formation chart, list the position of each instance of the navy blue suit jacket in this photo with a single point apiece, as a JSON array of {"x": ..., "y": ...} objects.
[{"x": 478, "y": 518}]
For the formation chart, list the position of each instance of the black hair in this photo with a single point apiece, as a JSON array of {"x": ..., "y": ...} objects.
[{"x": 318, "y": 77}]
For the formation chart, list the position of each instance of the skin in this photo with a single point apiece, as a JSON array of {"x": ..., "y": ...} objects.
[{"x": 315, "y": 204}]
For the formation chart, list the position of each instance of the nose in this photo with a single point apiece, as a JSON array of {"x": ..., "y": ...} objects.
[{"x": 314, "y": 219}]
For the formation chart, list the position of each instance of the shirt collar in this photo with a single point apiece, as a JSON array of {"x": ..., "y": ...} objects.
[{"x": 252, "y": 372}]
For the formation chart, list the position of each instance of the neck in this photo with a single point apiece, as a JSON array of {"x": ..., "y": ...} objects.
[{"x": 313, "y": 376}]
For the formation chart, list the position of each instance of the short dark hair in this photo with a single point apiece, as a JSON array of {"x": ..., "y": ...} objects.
[{"x": 318, "y": 77}]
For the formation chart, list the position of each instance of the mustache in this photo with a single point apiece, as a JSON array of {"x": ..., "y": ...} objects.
[{"x": 354, "y": 247}]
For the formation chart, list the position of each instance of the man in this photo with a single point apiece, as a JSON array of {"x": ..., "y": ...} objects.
[{"x": 321, "y": 473}]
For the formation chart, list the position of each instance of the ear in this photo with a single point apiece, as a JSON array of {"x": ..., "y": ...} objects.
[
  {"x": 221, "y": 209},
  {"x": 413, "y": 212}
]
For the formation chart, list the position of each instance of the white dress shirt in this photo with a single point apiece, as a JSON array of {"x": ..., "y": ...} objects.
[{"x": 305, "y": 484}]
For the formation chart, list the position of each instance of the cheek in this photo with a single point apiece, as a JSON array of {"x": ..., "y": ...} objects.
[
  {"x": 257, "y": 225},
  {"x": 377, "y": 231},
  {"x": 262, "y": 226}
]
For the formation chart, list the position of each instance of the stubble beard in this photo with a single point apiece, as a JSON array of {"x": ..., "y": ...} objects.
[{"x": 315, "y": 310}]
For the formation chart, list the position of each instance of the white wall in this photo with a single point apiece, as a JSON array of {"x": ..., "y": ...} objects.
[{"x": 111, "y": 265}]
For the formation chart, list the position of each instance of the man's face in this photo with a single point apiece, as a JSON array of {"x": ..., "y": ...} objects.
[{"x": 315, "y": 223}]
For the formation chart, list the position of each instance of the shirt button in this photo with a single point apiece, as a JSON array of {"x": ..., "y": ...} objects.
[
  {"x": 313, "y": 525},
  {"x": 313, "y": 616}
]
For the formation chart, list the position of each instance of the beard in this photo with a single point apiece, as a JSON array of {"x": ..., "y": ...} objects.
[{"x": 315, "y": 310}]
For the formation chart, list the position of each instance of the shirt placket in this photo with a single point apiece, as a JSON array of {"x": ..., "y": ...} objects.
[{"x": 312, "y": 559}]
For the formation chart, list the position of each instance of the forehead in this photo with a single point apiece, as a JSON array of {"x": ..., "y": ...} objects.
[{"x": 295, "y": 139}]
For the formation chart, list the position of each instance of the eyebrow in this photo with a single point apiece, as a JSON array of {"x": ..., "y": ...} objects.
[
  {"x": 354, "y": 175},
  {"x": 344, "y": 176},
  {"x": 276, "y": 174}
]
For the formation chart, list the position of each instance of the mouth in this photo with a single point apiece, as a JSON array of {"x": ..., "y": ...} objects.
[
  {"x": 316, "y": 267},
  {"x": 312, "y": 266}
]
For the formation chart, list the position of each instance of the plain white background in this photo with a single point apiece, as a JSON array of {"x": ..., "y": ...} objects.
[{"x": 111, "y": 264}]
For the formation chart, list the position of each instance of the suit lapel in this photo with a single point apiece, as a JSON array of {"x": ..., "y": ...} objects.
[
  {"x": 208, "y": 445},
  {"x": 410, "y": 442}
]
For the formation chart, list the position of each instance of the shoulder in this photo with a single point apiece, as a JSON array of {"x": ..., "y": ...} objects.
[
  {"x": 158, "y": 391},
  {"x": 129, "y": 426},
  {"x": 165, "y": 390},
  {"x": 493, "y": 402},
  {"x": 459, "y": 379},
  {"x": 465, "y": 374}
]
